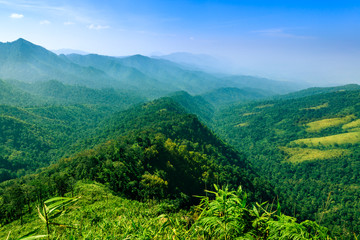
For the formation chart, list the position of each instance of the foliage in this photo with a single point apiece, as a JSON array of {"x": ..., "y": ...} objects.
[
  {"x": 304, "y": 166},
  {"x": 223, "y": 97},
  {"x": 153, "y": 151},
  {"x": 229, "y": 217},
  {"x": 159, "y": 154},
  {"x": 33, "y": 137},
  {"x": 102, "y": 215},
  {"x": 51, "y": 210}
]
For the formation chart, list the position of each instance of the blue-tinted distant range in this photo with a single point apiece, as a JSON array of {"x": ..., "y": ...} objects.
[{"x": 317, "y": 42}]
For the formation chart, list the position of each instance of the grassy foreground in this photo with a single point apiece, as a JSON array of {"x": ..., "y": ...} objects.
[{"x": 98, "y": 214}]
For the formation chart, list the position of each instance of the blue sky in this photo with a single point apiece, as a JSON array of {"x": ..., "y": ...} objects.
[{"x": 313, "y": 41}]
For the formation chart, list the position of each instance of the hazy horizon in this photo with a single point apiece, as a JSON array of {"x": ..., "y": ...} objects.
[{"x": 301, "y": 40}]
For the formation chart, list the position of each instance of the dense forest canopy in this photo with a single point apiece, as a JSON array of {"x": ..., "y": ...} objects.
[{"x": 308, "y": 148}]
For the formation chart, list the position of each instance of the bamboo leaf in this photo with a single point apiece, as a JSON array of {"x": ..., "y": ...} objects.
[
  {"x": 41, "y": 216},
  {"x": 34, "y": 237},
  {"x": 59, "y": 202},
  {"x": 8, "y": 236},
  {"x": 55, "y": 199}
]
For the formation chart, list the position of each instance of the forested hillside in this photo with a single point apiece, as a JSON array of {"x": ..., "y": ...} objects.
[
  {"x": 56, "y": 93},
  {"x": 100, "y": 147},
  {"x": 154, "y": 151},
  {"x": 33, "y": 137},
  {"x": 11, "y": 95},
  {"x": 223, "y": 97},
  {"x": 308, "y": 148},
  {"x": 43, "y": 121},
  {"x": 318, "y": 90}
]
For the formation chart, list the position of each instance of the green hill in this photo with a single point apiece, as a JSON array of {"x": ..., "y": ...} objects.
[
  {"x": 130, "y": 78},
  {"x": 225, "y": 96},
  {"x": 153, "y": 151},
  {"x": 21, "y": 145},
  {"x": 308, "y": 148},
  {"x": 10, "y": 95},
  {"x": 318, "y": 90},
  {"x": 55, "y": 92},
  {"x": 159, "y": 154},
  {"x": 195, "y": 105},
  {"x": 159, "y": 141},
  {"x": 264, "y": 84},
  {"x": 33, "y": 137}
]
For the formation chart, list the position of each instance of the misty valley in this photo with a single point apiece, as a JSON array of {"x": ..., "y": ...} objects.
[{"x": 137, "y": 147}]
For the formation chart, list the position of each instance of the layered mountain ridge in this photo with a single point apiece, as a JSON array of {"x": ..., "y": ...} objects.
[{"x": 23, "y": 61}]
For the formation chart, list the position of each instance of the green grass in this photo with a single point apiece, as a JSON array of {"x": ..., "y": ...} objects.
[
  {"x": 317, "y": 126},
  {"x": 100, "y": 215},
  {"x": 339, "y": 139},
  {"x": 264, "y": 106},
  {"x": 352, "y": 125},
  {"x": 249, "y": 114},
  {"x": 325, "y": 105},
  {"x": 242, "y": 124},
  {"x": 298, "y": 155}
]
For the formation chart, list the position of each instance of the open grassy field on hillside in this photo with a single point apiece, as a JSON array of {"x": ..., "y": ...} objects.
[
  {"x": 298, "y": 155},
  {"x": 245, "y": 124},
  {"x": 339, "y": 139},
  {"x": 317, "y": 126},
  {"x": 352, "y": 126},
  {"x": 325, "y": 105}
]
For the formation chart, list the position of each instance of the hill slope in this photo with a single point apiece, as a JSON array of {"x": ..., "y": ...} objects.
[
  {"x": 33, "y": 137},
  {"x": 158, "y": 140},
  {"x": 318, "y": 90},
  {"x": 55, "y": 92},
  {"x": 129, "y": 77},
  {"x": 225, "y": 96},
  {"x": 147, "y": 73},
  {"x": 152, "y": 151},
  {"x": 24, "y": 61},
  {"x": 11, "y": 95},
  {"x": 308, "y": 148}
]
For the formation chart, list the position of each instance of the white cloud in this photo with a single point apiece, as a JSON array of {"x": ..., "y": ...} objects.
[
  {"x": 45, "y": 22},
  {"x": 16, "y": 16},
  {"x": 53, "y": 8},
  {"x": 98, "y": 27},
  {"x": 68, "y": 23}
]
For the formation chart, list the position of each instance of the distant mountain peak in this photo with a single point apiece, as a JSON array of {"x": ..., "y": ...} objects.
[
  {"x": 68, "y": 51},
  {"x": 21, "y": 41},
  {"x": 23, "y": 50},
  {"x": 139, "y": 56}
]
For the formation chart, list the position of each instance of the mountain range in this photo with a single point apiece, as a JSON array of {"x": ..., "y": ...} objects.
[{"x": 24, "y": 61}]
